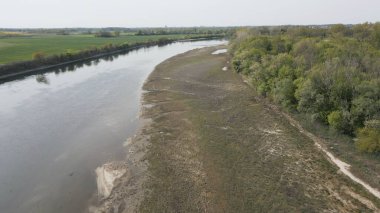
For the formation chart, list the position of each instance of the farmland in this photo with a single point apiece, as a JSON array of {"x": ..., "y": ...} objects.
[{"x": 21, "y": 48}]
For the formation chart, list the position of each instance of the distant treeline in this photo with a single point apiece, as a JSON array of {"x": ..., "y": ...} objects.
[
  {"x": 106, "y": 34},
  {"x": 136, "y": 31},
  {"x": 330, "y": 72},
  {"x": 68, "y": 31},
  {"x": 194, "y": 30},
  {"x": 41, "y": 61}
]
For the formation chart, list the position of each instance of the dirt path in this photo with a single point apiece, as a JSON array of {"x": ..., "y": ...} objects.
[
  {"x": 211, "y": 146},
  {"x": 343, "y": 166}
]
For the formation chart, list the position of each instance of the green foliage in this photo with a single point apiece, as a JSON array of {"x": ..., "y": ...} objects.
[
  {"x": 366, "y": 104},
  {"x": 38, "y": 55},
  {"x": 331, "y": 73},
  {"x": 369, "y": 137},
  {"x": 284, "y": 93},
  {"x": 106, "y": 34},
  {"x": 340, "y": 121}
]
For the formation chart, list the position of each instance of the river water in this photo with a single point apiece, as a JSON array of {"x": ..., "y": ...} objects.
[{"x": 56, "y": 128}]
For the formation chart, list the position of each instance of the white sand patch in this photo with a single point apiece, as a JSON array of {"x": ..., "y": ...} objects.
[
  {"x": 106, "y": 176},
  {"x": 148, "y": 106},
  {"x": 225, "y": 127},
  {"x": 127, "y": 142},
  {"x": 272, "y": 132},
  {"x": 221, "y": 51},
  {"x": 225, "y": 69}
]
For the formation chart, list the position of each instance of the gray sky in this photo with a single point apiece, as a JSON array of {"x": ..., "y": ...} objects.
[{"x": 158, "y": 13}]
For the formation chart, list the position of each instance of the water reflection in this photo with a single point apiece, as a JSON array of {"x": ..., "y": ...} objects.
[{"x": 42, "y": 79}]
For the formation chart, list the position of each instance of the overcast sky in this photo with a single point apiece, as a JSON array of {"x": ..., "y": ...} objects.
[{"x": 159, "y": 13}]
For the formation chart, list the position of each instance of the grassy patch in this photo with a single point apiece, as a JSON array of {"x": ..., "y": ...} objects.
[
  {"x": 363, "y": 165},
  {"x": 14, "y": 49}
]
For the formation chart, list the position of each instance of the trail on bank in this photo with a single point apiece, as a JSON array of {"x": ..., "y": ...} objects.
[
  {"x": 343, "y": 166},
  {"x": 211, "y": 146}
]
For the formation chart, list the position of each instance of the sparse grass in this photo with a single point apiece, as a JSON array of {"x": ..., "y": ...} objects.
[
  {"x": 363, "y": 165},
  {"x": 215, "y": 148},
  {"x": 15, "y": 49}
]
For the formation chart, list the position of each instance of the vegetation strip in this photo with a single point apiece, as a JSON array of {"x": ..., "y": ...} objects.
[{"x": 328, "y": 79}]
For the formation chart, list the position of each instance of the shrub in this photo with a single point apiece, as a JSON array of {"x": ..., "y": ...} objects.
[
  {"x": 369, "y": 137},
  {"x": 340, "y": 121},
  {"x": 38, "y": 55},
  {"x": 104, "y": 34},
  {"x": 335, "y": 119}
]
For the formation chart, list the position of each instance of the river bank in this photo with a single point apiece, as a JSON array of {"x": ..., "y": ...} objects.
[{"x": 210, "y": 145}]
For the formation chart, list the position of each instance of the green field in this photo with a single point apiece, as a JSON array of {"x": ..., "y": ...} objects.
[{"x": 21, "y": 48}]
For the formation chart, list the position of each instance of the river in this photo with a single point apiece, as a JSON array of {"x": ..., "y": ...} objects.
[{"x": 57, "y": 127}]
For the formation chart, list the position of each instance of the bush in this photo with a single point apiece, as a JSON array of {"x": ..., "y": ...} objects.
[
  {"x": 340, "y": 121},
  {"x": 104, "y": 34},
  {"x": 369, "y": 137},
  {"x": 38, "y": 55},
  {"x": 335, "y": 119}
]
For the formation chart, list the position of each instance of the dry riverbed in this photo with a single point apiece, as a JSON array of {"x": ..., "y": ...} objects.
[{"x": 209, "y": 145}]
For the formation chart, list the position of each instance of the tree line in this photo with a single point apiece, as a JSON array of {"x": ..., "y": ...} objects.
[{"x": 330, "y": 72}]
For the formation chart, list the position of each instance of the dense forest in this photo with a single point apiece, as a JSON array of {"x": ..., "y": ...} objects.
[{"x": 331, "y": 73}]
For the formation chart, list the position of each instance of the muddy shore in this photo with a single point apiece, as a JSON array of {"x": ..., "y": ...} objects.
[{"x": 208, "y": 145}]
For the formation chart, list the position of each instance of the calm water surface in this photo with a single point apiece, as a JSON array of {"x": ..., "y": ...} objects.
[{"x": 56, "y": 128}]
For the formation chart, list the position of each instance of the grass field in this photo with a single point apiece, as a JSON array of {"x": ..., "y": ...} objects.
[{"x": 21, "y": 48}]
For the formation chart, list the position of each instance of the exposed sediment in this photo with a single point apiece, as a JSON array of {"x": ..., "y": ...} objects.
[
  {"x": 120, "y": 183},
  {"x": 211, "y": 146},
  {"x": 106, "y": 176}
]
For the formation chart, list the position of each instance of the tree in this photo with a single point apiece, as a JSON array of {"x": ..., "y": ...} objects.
[
  {"x": 340, "y": 30},
  {"x": 104, "y": 34},
  {"x": 284, "y": 93},
  {"x": 313, "y": 94},
  {"x": 307, "y": 50},
  {"x": 366, "y": 104},
  {"x": 362, "y": 32}
]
